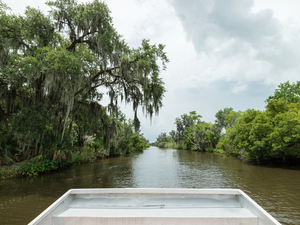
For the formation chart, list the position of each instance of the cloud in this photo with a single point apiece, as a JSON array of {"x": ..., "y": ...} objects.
[
  {"x": 239, "y": 45},
  {"x": 213, "y": 65}
]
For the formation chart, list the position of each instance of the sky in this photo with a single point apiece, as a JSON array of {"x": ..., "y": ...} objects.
[{"x": 223, "y": 53}]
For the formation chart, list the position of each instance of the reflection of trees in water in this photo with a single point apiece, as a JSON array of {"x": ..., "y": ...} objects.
[
  {"x": 275, "y": 189},
  {"x": 200, "y": 170},
  {"x": 113, "y": 172}
]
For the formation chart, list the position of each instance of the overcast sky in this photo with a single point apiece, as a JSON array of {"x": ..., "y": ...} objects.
[{"x": 223, "y": 53}]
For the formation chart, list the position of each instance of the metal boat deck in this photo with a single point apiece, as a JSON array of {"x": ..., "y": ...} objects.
[{"x": 154, "y": 206}]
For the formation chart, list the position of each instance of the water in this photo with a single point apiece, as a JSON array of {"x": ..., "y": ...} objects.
[{"x": 277, "y": 190}]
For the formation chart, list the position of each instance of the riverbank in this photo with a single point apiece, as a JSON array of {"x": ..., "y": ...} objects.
[
  {"x": 174, "y": 145},
  {"x": 45, "y": 164},
  {"x": 7, "y": 172},
  {"x": 15, "y": 170}
]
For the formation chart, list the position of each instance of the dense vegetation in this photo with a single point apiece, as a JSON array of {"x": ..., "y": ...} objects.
[
  {"x": 54, "y": 71},
  {"x": 270, "y": 135}
]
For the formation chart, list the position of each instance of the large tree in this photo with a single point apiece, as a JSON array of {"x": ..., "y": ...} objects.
[{"x": 57, "y": 67}]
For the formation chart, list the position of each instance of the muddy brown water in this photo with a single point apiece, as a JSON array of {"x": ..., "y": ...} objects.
[{"x": 277, "y": 190}]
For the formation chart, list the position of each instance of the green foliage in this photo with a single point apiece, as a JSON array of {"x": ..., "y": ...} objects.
[
  {"x": 76, "y": 158},
  {"x": 162, "y": 140},
  {"x": 161, "y": 144},
  {"x": 224, "y": 144},
  {"x": 191, "y": 134},
  {"x": 165, "y": 141},
  {"x": 222, "y": 120},
  {"x": 7, "y": 142},
  {"x": 289, "y": 92},
  {"x": 170, "y": 145},
  {"x": 52, "y": 142},
  {"x": 215, "y": 150},
  {"x": 269, "y": 135},
  {"x": 51, "y": 69},
  {"x": 201, "y": 136},
  {"x": 232, "y": 117},
  {"x": 6, "y": 173},
  {"x": 29, "y": 124},
  {"x": 183, "y": 122},
  {"x": 138, "y": 143},
  {"x": 39, "y": 165},
  {"x": 88, "y": 154},
  {"x": 91, "y": 150},
  {"x": 173, "y": 135},
  {"x": 125, "y": 140}
]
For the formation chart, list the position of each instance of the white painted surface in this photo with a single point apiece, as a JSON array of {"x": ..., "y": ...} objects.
[{"x": 154, "y": 206}]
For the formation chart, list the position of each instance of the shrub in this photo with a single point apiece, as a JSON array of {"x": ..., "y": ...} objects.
[
  {"x": 6, "y": 173},
  {"x": 38, "y": 165},
  {"x": 88, "y": 154},
  {"x": 217, "y": 150},
  {"x": 161, "y": 145}
]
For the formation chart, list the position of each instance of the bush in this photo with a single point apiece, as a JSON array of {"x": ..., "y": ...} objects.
[
  {"x": 7, "y": 142},
  {"x": 170, "y": 145},
  {"x": 161, "y": 145},
  {"x": 38, "y": 165},
  {"x": 76, "y": 158},
  {"x": 88, "y": 154},
  {"x": 209, "y": 149},
  {"x": 6, "y": 173},
  {"x": 224, "y": 145}
]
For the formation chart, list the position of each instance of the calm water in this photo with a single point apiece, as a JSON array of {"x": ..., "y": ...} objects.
[{"x": 276, "y": 189}]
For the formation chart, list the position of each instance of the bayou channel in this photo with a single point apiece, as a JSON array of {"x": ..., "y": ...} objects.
[{"x": 276, "y": 189}]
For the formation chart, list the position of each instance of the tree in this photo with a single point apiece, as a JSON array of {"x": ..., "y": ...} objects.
[
  {"x": 162, "y": 139},
  {"x": 269, "y": 135},
  {"x": 201, "y": 136},
  {"x": 221, "y": 116},
  {"x": 125, "y": 140},
  {"x": 173, "y": 135},
  {"x": 250, "y": 133},
  {"x": 63, "y": 63},
  {"x": 185, "y": 121},
  {"x": 232, "y": 117},
  {"x": 290, "y": 92}
]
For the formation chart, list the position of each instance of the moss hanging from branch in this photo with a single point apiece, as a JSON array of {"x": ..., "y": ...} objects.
[{"x": 61, "y": 60}]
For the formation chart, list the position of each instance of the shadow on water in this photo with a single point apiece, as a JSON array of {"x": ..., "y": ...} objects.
[{"x": 276, "y": 189}]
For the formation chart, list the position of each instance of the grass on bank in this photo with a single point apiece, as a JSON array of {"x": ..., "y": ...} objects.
[
  {"x": 184, "y": 147},
  {"x": 43, "y": 164},
  {"x": 8, "y": 172}
]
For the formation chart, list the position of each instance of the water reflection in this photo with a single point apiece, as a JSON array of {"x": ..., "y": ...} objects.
[{"x": 276, "y": 189}]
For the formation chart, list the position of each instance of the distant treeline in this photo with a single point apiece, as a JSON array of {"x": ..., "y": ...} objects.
[{"x": 269, "y": 135}]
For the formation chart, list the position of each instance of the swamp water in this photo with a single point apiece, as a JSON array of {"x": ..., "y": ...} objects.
[{"x": 277, "y": 190}]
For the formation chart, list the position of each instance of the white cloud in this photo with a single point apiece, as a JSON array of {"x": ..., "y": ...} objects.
[
  {"x": 240, "y": 88},
  {"x": 237, "y": 44}
]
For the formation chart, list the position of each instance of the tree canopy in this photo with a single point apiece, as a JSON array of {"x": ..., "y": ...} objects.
[
  {"x": 269, "y": 135},
  {"x": 290, "y": 92},
  {"x": 191, "y": 133},
  {"x": 55, "y": 69}
]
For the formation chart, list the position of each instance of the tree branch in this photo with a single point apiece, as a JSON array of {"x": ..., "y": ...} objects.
[
  {"x": 93, "y": 79},
  {"x": 78, "y": 41}
]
